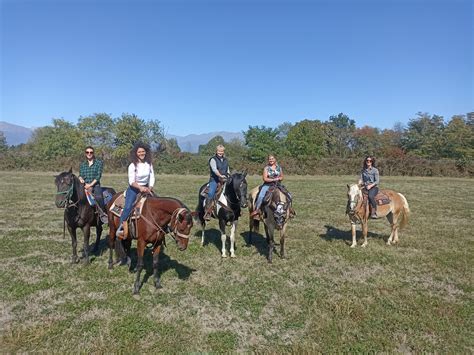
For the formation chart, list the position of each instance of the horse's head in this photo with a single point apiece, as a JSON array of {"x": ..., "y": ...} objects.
[
  {"x": 65, "y": 186},
  {"x": 354, "y": 195},
  {"x": 238, "y": 183},
  {"x": 279, "y": 207},
  {"x": 181, "y": 224}
]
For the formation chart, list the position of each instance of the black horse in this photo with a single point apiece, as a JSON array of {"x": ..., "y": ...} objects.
[
  {"x": 228, "y": 208},
  {"x": 78, "y": 213}
]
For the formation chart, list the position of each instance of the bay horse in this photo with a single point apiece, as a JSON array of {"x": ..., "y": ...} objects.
[
  {"x": 397, "y": 212},
  {"x": 275, "y": 216},
  {"x": 78, "y": 213},
  {"x": 159, "y": 216},
  {"x": 228, "y": 208}
]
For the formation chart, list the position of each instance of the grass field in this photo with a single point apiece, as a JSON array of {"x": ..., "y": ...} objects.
[{"x": 326, "y": 297}]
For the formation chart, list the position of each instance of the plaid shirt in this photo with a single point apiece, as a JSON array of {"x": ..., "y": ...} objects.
[{"x": 89, "y": 173}]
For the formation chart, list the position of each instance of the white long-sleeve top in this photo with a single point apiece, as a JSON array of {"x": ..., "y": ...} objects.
[{"x": 142, "y": 174}]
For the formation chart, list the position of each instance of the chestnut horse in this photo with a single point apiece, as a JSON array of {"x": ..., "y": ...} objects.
[
  {"x": 275, "y": 216},
  {"x": 78, "y": 213},
  {"x": 159, "y": 216},
  {"x": 397, "y": 212}
]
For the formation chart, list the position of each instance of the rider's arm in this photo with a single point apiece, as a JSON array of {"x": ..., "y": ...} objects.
[
  {"x": 265, "y": 176},
  {"x": 151, "y": 183}
]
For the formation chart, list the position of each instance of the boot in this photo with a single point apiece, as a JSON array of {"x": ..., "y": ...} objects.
[
  {"x": 208, "y": 207},
  {"x": 373, "y": 214},
  {"x": 122, "y": 231}
]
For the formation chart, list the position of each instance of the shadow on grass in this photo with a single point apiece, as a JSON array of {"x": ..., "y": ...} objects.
[
  {"x": 212, "y": 236},
  {"x": 333, "y": 233},
  {"x": 259, "y": 241}
]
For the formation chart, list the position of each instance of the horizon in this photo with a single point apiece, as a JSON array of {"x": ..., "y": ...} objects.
[{"x": 207, "y": 66}]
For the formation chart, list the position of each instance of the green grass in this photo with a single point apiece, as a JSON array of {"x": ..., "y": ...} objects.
[{"x": 326, "y": 297}]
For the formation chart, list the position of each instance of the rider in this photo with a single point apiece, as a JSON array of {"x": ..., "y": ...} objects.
[
  {"x": 90, "y": 172},
  {"x": 369, "y": 177},
  {"x": 219, "y": 169},
  {"x": 272, "y": 173},
  {"x": 141, "y": 179}
]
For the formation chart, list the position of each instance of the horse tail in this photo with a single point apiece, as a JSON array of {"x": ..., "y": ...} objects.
[{"x": 405, "y": 212}]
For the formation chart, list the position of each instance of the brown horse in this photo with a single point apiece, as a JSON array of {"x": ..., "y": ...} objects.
[
  {"x": 159, "y": 216},
  {"x": 275, "y": 216},
  {"x": 396, "y": 211}
]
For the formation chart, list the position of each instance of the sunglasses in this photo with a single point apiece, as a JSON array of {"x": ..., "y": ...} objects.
[
  {"x": 89, "y": 152},
  {"x": 369, "y": 160}
]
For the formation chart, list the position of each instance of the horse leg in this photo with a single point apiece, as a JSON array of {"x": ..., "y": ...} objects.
[
  {"x": 282, "y": 242},
  {"x": 140, "y": 252},
  {"x": 270, "y": 242},
  {"x": 156, "y": 255},
  {"x": 393, "y": 228},
  {"x": 98, "y": 233},
  {"x": 72, "y": 232},
  {"x": 203, "y": 226},
  {"x": 365, "y": 228},
  {"x": 354, "y": 235},
  {"x": 86, "y": 230},
  {"x": 232, "y": 238},
  {"x": 111, "y": 241},
  {"x": 223, "y": 237}
]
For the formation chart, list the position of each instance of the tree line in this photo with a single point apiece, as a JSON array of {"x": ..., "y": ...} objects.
[{"x": 427, "y": 146}]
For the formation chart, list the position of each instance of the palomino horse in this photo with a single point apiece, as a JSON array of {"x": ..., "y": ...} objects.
[
  {"x": 78, "y": 213},
  {"x": 158, "y": 216},
  {"x": 275, "y": 216},
  {"x": 229, "y": 204},
  {"x": 397, "y": 212}
]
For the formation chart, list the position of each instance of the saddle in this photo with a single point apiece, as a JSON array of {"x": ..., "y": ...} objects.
[
  {"x": 107, "y": 196},
  {"x": 268, "y": 196},
  {"x": 205, "y": 190},
  {"x": 119, "y": 204},
  {"x": 381, "y": 199}
]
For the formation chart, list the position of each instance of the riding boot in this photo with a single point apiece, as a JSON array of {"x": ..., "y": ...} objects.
[
  {"x": 122, "y": 231},
  {"x": 208, "y": 207},
  {"x": 373, "y": 214}
]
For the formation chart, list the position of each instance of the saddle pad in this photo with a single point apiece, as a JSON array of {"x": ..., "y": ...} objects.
[{"x": 119, "y": 204}]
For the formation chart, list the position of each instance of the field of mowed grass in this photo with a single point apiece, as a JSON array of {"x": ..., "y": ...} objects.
[{"x": 326, "y": 297}]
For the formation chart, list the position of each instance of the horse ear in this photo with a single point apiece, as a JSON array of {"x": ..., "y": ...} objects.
[
  {"x": 245, "y": 172},
  {"x": 348, "y": 187},
  {"x": 70, "y": 170}
]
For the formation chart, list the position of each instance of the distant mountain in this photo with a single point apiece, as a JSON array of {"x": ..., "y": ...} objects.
[
  {"x": 15, "y": 134},
  {"x": 191, "y": 142},
  {"x": 18, "y": 134}
]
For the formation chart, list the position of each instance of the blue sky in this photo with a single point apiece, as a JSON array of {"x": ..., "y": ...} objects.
[{"x": 200, "y": 66}]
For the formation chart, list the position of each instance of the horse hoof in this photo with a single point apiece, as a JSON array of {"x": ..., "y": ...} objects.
[
  {"x": 111, "y": 267},
  {"x": 232, "y": 255},
  {"x": 353, "y": 245},
  {"x": 224, "y": 256},
  {"x": 364, "y": 245}
]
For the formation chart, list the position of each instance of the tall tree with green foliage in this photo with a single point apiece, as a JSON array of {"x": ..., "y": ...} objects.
[
  {"x": 3, "y": 143},
  {"x": 307, "y": 139},
  {"x": 424, "y": 136},
  {"x": 98, "y": 131},
  {"x": 262, "y": 141},
  {"x": 459, "y": 140},
  {"x": 339, "y": 133},
  {"x": 62, "y": 140},
  {"x": 209, "y": 148},
  {"x": 366, "y": 141}
]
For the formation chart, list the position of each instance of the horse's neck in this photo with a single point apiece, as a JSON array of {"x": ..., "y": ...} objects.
[{"x": 78, "y": 191}]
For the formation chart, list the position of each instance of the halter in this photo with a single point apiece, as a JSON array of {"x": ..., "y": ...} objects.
[
  {"x": 174, "y": 216},
  {"x": 68, "y": 194}
]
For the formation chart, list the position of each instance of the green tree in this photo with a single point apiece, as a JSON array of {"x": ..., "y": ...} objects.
[
  {"x": 339, "y": 133},
  {"x": 424, "y": 136},
  {"x": 3, "y": 143},
  {"x": 366, "y": 141},
  {"x": 459, "y": 140},
  {"x": 98, "y": 131},
  {"x": 62, "y": 140},
  {"x": 209, "y": 148},
  {"x": 261, "y": 141},
  {"x": 307, "y": 139}
]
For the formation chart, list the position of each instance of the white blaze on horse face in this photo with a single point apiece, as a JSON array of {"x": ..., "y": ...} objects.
[{"x": 353, "y": 193}]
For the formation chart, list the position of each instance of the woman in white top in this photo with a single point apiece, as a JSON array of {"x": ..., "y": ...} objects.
[{"x": 141, "y": 179}]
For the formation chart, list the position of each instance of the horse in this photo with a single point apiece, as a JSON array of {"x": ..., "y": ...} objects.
[
  {"x": 228, "y": 208},
  {"x": 159, "y": 216},
  {"x": 275, "y": 216},
  {"x": 397, "y": 212},
  {"x": 78, "y": 213}
]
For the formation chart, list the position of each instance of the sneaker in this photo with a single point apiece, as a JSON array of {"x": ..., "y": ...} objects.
[
  {"x": 119, "y": 233},
  {"x": 373, "y": 216},
  {"x": 104, "y": 219}
]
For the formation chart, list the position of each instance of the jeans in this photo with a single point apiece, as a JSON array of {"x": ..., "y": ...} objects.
[
  {"x": 129, "y": 200},
  {"x": 372, "y": 193},
  {"x": 99, "y": 198},
  {"x": 212, "y": 188},
  {"x": 261, "y": 195}
]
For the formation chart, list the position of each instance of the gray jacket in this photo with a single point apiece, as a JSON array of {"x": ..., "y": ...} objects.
[{"x": 370, "y": 176}]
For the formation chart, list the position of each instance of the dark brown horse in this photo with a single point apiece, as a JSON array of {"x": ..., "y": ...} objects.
[
  {"x": 78, "y": 213},
  {"x": 159, "y": 216}
]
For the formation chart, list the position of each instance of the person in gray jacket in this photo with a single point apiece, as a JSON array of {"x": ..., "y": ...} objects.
[{"x": 369, "y": 177}]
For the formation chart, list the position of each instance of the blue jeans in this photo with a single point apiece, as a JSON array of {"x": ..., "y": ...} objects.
[
  {"x": 212, "y": 188},
  {"x": 129, "y": 200},
  {"x": 261, "y": 195},
  {"x": 99, "y": 198},
  {"x": 372, "y": 193}
]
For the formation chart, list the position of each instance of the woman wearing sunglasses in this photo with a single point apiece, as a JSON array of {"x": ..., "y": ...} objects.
[
  {"x": 90, "y": 173},
  {"x": 369, "y": 177}
]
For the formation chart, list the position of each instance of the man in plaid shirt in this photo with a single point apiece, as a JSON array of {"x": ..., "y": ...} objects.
[{"x": 90, "y": 173}]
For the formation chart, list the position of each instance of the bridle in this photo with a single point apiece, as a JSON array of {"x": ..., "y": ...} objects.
[
  {"x": 67, "y": 198},
  {"x": 354, "y": 202},
  {"x": 174, "y": 218}
]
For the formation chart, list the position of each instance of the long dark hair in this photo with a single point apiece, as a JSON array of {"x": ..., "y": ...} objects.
[
  {"x": 371, "y": 158},
  {"x": 133, "y": 153}
]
